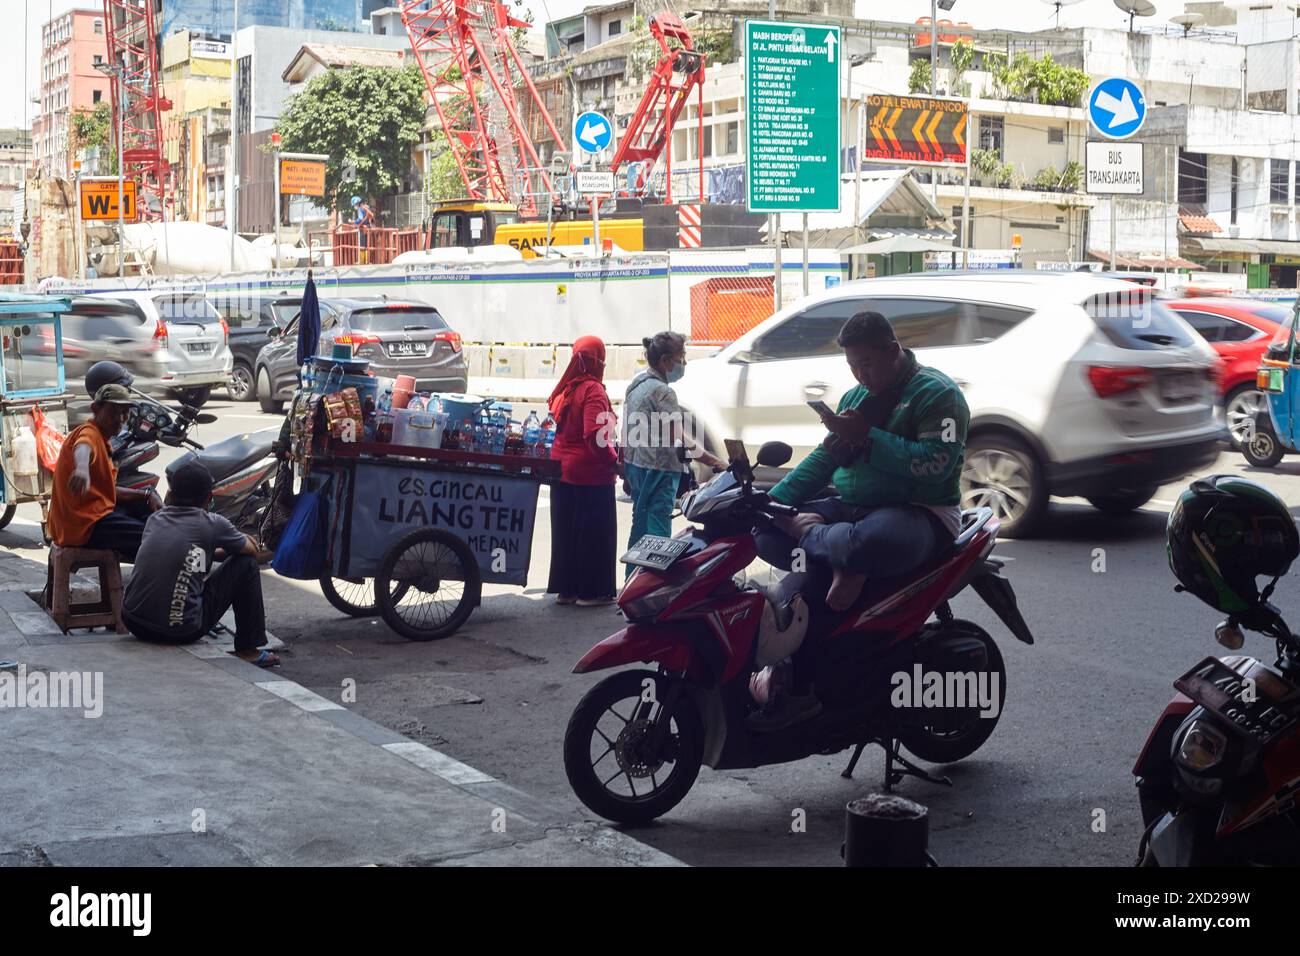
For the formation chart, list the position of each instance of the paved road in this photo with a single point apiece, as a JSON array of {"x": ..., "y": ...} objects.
[{"x": 1078, "y": 705}]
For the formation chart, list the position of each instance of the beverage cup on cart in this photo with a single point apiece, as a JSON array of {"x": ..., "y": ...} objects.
[{"x": 403, "y": 390}]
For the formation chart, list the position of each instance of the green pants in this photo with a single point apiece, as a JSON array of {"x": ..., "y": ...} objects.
[{"x": 654, "y": 495}]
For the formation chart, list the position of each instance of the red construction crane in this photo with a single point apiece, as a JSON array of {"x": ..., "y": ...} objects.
[
  {"x": 650, "y": 131},
  {"x": 138, "y": 102},
  {"x": 472, "y": 69}
]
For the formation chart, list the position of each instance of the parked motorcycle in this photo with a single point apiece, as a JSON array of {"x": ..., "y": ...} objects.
[
  {"x": 1219, "y": 775},
  {"x": 635, "y": 743},
  {"x": 242, "y": 466}
]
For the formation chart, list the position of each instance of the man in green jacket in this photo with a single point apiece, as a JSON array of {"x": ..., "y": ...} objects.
[{"x": 894, "y": 453}]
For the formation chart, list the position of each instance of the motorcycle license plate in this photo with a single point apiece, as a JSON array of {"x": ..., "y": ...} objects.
[
  {"x": 1259, "y": 704},
  {"x": 655, "y": 552}
]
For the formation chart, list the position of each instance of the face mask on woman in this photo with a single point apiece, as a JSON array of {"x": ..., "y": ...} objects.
[{"x": 676, "y": 372}]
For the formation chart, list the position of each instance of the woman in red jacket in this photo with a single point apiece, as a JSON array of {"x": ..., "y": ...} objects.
[{"x": 584, "y": 527}]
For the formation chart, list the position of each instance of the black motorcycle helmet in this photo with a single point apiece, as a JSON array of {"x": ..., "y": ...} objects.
[
  {"x": 1223, "y": 533},
  {"x": 107, "y": 373}
]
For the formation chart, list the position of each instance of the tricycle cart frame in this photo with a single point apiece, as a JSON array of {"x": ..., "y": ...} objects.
[
  {"x": 31, "y": 377},
  {"x": 428, "y": 526}
]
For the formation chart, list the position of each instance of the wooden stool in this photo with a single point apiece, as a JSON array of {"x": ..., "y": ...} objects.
[{"x": 107, "y": 611}]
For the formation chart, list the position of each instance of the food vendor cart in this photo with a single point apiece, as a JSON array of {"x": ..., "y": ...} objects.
[
  {"x": 415, "y": 532},
  {"x": 32, "y": 388}
]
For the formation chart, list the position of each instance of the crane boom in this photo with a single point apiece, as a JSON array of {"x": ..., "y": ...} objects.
[
  {"x": 650, "y": 130},
  {"x": 131, "y": 36},
  {"x": 472, "y": 70}
]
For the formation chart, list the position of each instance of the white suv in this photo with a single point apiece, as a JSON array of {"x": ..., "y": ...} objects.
[
  {"x": 174, "y": 343},
  {"x": 1077, "y": 384}
]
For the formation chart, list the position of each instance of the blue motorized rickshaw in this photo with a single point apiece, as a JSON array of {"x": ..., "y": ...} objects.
[
  {"x": 1276, "y": 430},
  {"x": 32, "y": 393}
]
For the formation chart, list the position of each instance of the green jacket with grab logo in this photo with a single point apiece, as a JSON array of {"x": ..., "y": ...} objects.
[{"x": 916, "y": 458}]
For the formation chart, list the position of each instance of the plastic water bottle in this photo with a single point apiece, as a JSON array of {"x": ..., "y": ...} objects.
[
  {"x": 532, "y": 434},
  {"x": 480, "y": 438},
  {"x": 548, "y": 435},
  {"x": 498, "y": 439}
]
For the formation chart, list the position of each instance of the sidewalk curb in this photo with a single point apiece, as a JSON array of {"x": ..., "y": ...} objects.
[
  {"x": 25, "y": 625},
  {"x": 446, "y": 768}
]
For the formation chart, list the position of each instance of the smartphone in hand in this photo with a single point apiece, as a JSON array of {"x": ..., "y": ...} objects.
[{"x": 821, "y": 408}]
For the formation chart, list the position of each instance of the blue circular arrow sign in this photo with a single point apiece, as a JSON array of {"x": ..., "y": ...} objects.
[
  {"x": 1116, "y": 107},
  {"x": 592, "y": 132}
]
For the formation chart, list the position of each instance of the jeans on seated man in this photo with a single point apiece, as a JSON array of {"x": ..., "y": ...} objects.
[
  {"x": 87, "y": 509},
  {"x": 893, "y": 453},
  {"x": 177, "y": 591}
]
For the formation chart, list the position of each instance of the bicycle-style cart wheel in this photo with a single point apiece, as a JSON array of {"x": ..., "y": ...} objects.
[
  {"x": 427, "y": 585},
  {"x": 353, "y": 596}
]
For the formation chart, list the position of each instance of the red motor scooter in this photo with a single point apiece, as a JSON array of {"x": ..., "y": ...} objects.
[
  {"x": 1219, "y": 777},
  {"x": 635, "y": 743}
]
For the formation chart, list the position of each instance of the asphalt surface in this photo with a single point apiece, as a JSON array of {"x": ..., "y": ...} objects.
[{"x": 1051, "y": 787}]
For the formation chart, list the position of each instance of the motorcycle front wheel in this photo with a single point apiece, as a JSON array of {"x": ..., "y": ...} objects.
[{"x": 608, "y": 754}]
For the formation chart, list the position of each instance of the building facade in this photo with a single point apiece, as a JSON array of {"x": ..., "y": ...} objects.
[
  {"x": 72, "y": 45},
  {"x": 15, "y": 159},
  {"x": 216, "y": 17}
]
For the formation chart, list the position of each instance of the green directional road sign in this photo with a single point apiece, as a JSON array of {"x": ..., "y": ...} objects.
[{"x": 792, "y": 109}]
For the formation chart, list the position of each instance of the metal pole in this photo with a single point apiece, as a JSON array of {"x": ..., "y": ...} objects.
[
  {"x": 595, "y": 216},
  {"x": 1112, "y": 232},
  {"x": 934, "y": 78},
  {"x": 232, "y": 200},
  {"x": 1166, "y": 229},
  {"x": 860, "y": 140},
  {"x": 805, "y": 253},
  {"x": 275, "y": 233},
  {"x": 967, "y": 231},
  {"x": 774, "y": 221},
  {"x": 77, "y": 238},
  {"x": 121, "y": 173}
]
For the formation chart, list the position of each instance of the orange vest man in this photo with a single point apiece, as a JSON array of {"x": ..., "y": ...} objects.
[{"x": 87, "y": 509}]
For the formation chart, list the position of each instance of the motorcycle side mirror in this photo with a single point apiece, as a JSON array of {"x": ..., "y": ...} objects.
[
  {"x": 205, "y": 418},
  {"x": 774, "y": 454},
  {"x": 1229, "y": 635}
]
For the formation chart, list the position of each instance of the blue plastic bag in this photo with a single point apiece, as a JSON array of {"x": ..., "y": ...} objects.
[{"x": 303, "y": 548}]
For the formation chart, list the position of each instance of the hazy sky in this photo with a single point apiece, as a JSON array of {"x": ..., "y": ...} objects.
[{"x": 986, "y": 14}]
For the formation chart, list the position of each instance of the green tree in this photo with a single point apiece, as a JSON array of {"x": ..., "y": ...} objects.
[
  {"x": 918, "y": 80},
  {"x": 963, "y": 54},
  {"x": 367, "y": 118},
  {"x": 90, "y": 129},
  {"x": 442, "y": 179}
]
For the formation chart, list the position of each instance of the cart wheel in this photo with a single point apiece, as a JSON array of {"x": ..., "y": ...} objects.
[
  {"x": 354, "y": 596},
  {"x": 427, "y": 585},
  {"x": 8, "y": 515}
]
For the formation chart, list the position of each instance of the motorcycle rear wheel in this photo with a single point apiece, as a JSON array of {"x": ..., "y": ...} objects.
[
  {"x": 601, "y": 748},
  {"x": 950, "y": 742}
]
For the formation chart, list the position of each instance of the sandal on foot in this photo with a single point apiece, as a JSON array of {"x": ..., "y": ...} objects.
[{"x": 263, "y": 659}]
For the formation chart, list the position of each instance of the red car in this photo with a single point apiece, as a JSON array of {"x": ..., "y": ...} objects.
[{"x": 1239, "y": 330}]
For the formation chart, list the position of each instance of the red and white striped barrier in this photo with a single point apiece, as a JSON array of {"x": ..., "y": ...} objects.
[{"x": 688, "y": 226}]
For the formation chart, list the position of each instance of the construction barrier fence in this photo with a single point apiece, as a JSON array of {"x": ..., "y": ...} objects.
[{"x": 11, "y": 264}]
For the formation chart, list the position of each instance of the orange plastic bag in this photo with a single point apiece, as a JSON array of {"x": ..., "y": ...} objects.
[{"x": 49, "y": 440}]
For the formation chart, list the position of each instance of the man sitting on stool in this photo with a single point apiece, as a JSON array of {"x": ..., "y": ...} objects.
[
  {"x": 176, "y": 595},
  {"x": 87, "y": 509}
]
